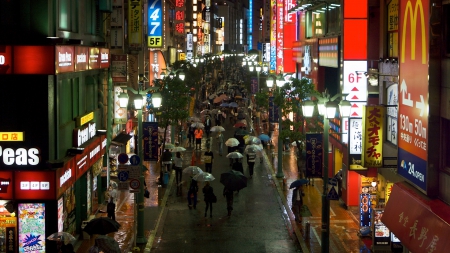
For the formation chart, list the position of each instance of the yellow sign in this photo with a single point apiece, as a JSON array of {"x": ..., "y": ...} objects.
[
  {"x": 372, "y": 148},
  {"x": 85, "y": 119},
  {"x": 413, "y": 16},
  {"x": 182, "y": 56},
  {"x": 134, "y": 23},
  {"x": 11, "y": 136}
]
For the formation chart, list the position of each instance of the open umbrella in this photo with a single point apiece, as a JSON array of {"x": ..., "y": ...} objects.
[
  {"x": 233, "y": 104},
  {"x": 252, "y": 140},
  {"x": 198, "y": 124},
  {"x": 232, "y": 142},
  {"x": 217, "y": 100},
  {"x": 253, "y": 148},
  {"x": 224, "y": 105},
  {"x": 195, "y": 119},
  {"x": 206, "y": 111},
  {"x": 169, "y": 145},
  {"x": 192, "y": 170},
  {"x": 241, "y": 132},
  {"x": 107, "y": 244},
  {"x": 212, "y": 96},
  {"x": 298, "y": 182},
  {"x": 264, "y": 137},
  {"x": 178, "y": 149},
  {"x": 240, "y": 124},
  {"x": 217, "y": 129},
  {"x": 234, "y": 155},
  {"x": 101, "y": 226},
  {"x": 203, "y": 177},
  {"x": 233, "y": 180},
  {"x": 241, "y": 116},
  {"x": 62, "y": 237}
]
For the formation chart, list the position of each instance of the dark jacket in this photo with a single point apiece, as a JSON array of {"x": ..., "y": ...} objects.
[
  {"x": 167, "y": 156},
  {"x": 238, "y": 167},
  {"x": 193, "y": 186},
  {"x": 208, "y": 192}
]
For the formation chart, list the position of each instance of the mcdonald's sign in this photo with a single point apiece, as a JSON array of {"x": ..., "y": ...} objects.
[{"x": 413, "y": 93}]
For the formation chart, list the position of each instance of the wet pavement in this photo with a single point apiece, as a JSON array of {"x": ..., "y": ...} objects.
[{"x": 261, "y": 221}]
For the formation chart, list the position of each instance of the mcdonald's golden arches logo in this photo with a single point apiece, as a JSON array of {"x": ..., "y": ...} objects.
[{"x": 413, "y": 15}]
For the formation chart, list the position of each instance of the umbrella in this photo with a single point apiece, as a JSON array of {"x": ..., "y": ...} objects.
[
  {"x": 253, "y": 148},
  {"x": 240, "y": 124},
  {"x": 264, "y": 137},
  {"x": 252, "y": 140},
  {"x": 298, "y": 182},
  {"x": 198, "y": 124},
  {"x": 224, "y": 105},
  {"x": 241, "y": 132},
  {"x": 217, "y": 100},
  {"x": 205, "y": 111},
  {"x": 215, "y": 111},
  {"x": 107, "y": 244},
  {"x": 232, "y": 142},
  {"x": 233, "y": 180},
  {"x": 206, "y": 102},
  {"x": 235, "y": 154},
  {"x": 192, "y": 170},
  {"x": 224, "y": 97},
  {"x": 204, "y": 176},
  {"x": 169, "y": 145},
  {"x": 62, "y": 237},
  {"x": 212, "y": 96},
  {"x": 241, "y": 116},
  {"x": 101, "y": 226},
  {"x": 178, "y": 149},
  {"x": 195, "y": 119},
  {"x": 233, "y": 104},
  {"x": 217, "y": 129}
]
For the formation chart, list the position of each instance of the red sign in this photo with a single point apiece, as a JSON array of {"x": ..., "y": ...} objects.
[
  {"x": 6, "y": 185},
  {"x": 37, "y": 60},
  {"x": 92, "y": 152},
  {"x": 279, "y": 39},
  {"x": 5, "y": 60},
  {"x": 104, "y": 58},
  {"x": 156, "y": 64},
  {"x": 94, "y": 58},
  {"x": 289, "y": 38},
  {"x": 81, "y": 58},
  {"x": 65, "y": 177},
  {"x": 34, "y": 185},
  {"x": 65, "y": 59},
  {"x": 420, "y": 223}
]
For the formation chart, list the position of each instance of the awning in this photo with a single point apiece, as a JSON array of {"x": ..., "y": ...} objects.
[
  {"x": 121, "y": 139},
  {"x": 422, "y": 224}
]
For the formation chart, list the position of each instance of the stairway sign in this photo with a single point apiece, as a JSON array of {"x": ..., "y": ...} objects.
[{"x": 332, "y": 194}]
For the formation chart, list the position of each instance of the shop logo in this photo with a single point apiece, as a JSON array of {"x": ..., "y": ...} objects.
[
  {"x": 66, "y": 176},
  {"x": 413, "y": 18},
  {"x": 20, "y": 156},
  {"x": 32, "y": 243},
  {"x": 4, "y": 183}
]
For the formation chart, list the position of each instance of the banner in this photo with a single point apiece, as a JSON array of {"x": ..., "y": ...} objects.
[
  {"x": 150, "y": 141},
  {"x": 273, "y": 111},
  {"x": 254, "y": 85},
  {"x": 373, "y": 136},
  {"x": 135, "y": 23},
  {"x": 314, "y": 155}
]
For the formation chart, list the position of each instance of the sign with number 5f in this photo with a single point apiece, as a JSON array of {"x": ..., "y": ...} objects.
[{"x": 155, "y": 21}]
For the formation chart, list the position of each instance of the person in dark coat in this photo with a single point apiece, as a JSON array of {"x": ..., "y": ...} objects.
[
  {"x": 208, "y": 125},
  {"x": 208, "y": 193},
  {"x": 167, "y": 159},
  {"x": 237, "y": 165},
  {"x": 111, "y": 209},
  {"x": 192, "y": 193},
  {"x": 228, "y": 194},
  {"x": 297, "y": 203}
]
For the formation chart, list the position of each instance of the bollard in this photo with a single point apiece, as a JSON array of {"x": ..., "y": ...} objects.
[
  {"x": 307, "y": 230},
  {"x": 284, "y": 183}
]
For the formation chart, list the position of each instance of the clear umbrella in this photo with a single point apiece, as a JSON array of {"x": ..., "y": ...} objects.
[
  {"x": 232, "y": 142},
  {"x": 203, "y": 177},
  {"x": 235, "y": 155}
]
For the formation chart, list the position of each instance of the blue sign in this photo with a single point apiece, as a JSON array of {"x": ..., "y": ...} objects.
[
  {"x": 150, "y": 141},
  {"x": 412, "y": 168},
  {"x": 332, "y": 194},
  {"x": 273, "y": 111},
  {"x": 155, "y": 24},
  {"x": 314, "y": 155},
  {"x": 123, "y": 158},
  {"x": 135, "y": 160},
  {"x": 122, "y": 176}
]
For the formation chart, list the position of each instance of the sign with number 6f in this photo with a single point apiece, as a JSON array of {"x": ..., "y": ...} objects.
[{"x": 155, "y": 27}]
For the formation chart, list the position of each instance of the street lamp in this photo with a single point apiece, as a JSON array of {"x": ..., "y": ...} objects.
[
  {"x": 139, "y": 197},
  {"x": 327, "y": 108}
]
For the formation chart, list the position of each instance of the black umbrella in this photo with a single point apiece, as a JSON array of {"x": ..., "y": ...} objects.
[
  {"x": 101, "y": 226},
  {"x": 107, "y": 244},
  {"x": 233, "y": 180},
  {"x": 298, "y": 183}
]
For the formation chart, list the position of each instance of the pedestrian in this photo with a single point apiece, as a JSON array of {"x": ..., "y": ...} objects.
[
  {"x": 167, "y": 159},
  {"x": 209, "y": 196},
  {"x": 192, "y": 193},
  {"x": 111, "y": 209},
  {"x": 218, "y": 118},
  {"x": 178, "y": 164},
  {"x": 208, "y": 124},
  {"x": 208, "y": 157},
  {"x": 190, "y": 134},
  {"x": 220, "y": 139},
  {"x": 67, "y": 248},
  {"x": 237, "y": 165},
  {"x": 231, "y": 149},
  {"x": 198, "y": 138},
  {"x": 228, "y": 194},
  {"x": 112, "y": 193},
  {"x": 297, "y": 203},
  {"x": 251, "y": 158}
]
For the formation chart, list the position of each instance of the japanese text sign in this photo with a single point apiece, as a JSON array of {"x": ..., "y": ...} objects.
[
  {"x": 155, "y": 24},
  {"x": 373, "y": 136}
]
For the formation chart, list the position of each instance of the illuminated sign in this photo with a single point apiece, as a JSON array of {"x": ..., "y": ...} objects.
[
  {"x": 180, "y": 8},
  {"x": 92, "y": 152},
  {"x": 156, "y": 65},
  {"x": 413, "y": 97},
  {"x": 329, "y": 52},
  {"x": 81, "y": 58},
  {"x": 273, "y": 36},
  {"x": 94, "y": 58},
  {"x": 65, "y": 59},
  {"x": 279, "y": 35},
  {"x": 11, "y": 136},
  {"x": 135, "y": 22},
  {"x": 104, "y": 57},
  {"x": 119, "y": 68},
  {"x": 83, "y": 134},
  {"x": 373, "y": 136},
  {"x": 34, "y": 60},
  {"x": 19, "y": 156},
  {"x": 155, "y": 24},
  {"x": 355, "y": 85},
  {"x": 85, "y": 119},
  {"x": 6, "y": 185},
  {"x": 5, "y": 60},
  {"x": 31, "y": 227},
  {"x": 34, "y": 185}
]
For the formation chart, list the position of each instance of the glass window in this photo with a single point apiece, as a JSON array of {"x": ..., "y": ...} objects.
[
  {"x": 391, "y": 115},
  {"x": 64, "y": 14},
  {"x": 65, "y": 101}
]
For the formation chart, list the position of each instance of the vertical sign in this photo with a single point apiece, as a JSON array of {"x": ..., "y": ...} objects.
[
  {"x": 314, "y": 155},
  {"x": 135, "y": 23},
  {"x": 355, "y": 85},
  {"x": 373, "y": 136},
  {"x": 266, "y": 19},
  {"x": 156, "y": 64},
  {"x": 355, "y": 143},
  {"x": 273, "y": 36},
  {"x": 273, "y": 111},
  {"x": 155, "y": 24},
  {"x": 393, "y": 28},
  {"x": 413, "y": 102},
  {"x": 150, "y": 141},
  {"x": 31, "y": 227},
  {"x": 254, "y": 85},
  {"x": 119, "y": 68},
  {"x": 120, "y": 114},
  {"x": 365, "y": 208},
  {"x": 279, "y": 35},
  {"x": 189, "y": 46},
  {"x": 392, "y": 114}
]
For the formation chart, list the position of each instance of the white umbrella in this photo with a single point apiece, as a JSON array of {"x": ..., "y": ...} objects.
[
  {"x": 205, "y": 111},
  {"x": 295, "y": 143},
  {"x": 235, "y": 154},
  {"x": 217, "y": 129},
  {"x": 195, "y": 119},
  {"x": 198, "y": 124},
  {"x": 204, "y": 176},
  {"x": 178, "y": 149},
  {"x": 192, "y": 170},
  {"x": 252, "y": 140},
  {"x": 169, "y": 146},
  {"x": 232, "y": 142},
  {"x": 253, "y": 147}
]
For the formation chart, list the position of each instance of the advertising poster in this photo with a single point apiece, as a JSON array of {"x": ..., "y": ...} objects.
[
  {"x": 373, "y": 136},
  {"x": 120, "y": 114},
  {"x": 382, "y": 234},
  {"x": 150, "y": 141},
  {"x": 365, "y": 208},
  {"x": 119, "y": 68},
  {"x": 273, "y": 111},
  {"x": 60, "y": 214},
  {"x": 314, "y": 155},
  {"x": 31, "y": 227}
]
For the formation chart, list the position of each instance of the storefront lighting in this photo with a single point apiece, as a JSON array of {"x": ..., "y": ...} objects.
[
  {"x": 308, "y": 108},
  {"x": 374, "y": 183},
  {"x": 123, "y": 99}
]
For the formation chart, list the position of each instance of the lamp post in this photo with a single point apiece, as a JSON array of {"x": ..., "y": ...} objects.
[
  {"x": 139, "y": 197},
  {"x": 327, "y": 108}
]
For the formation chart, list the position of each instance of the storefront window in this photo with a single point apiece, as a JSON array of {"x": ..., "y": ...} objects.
[{"x": 391, "y": 115}]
